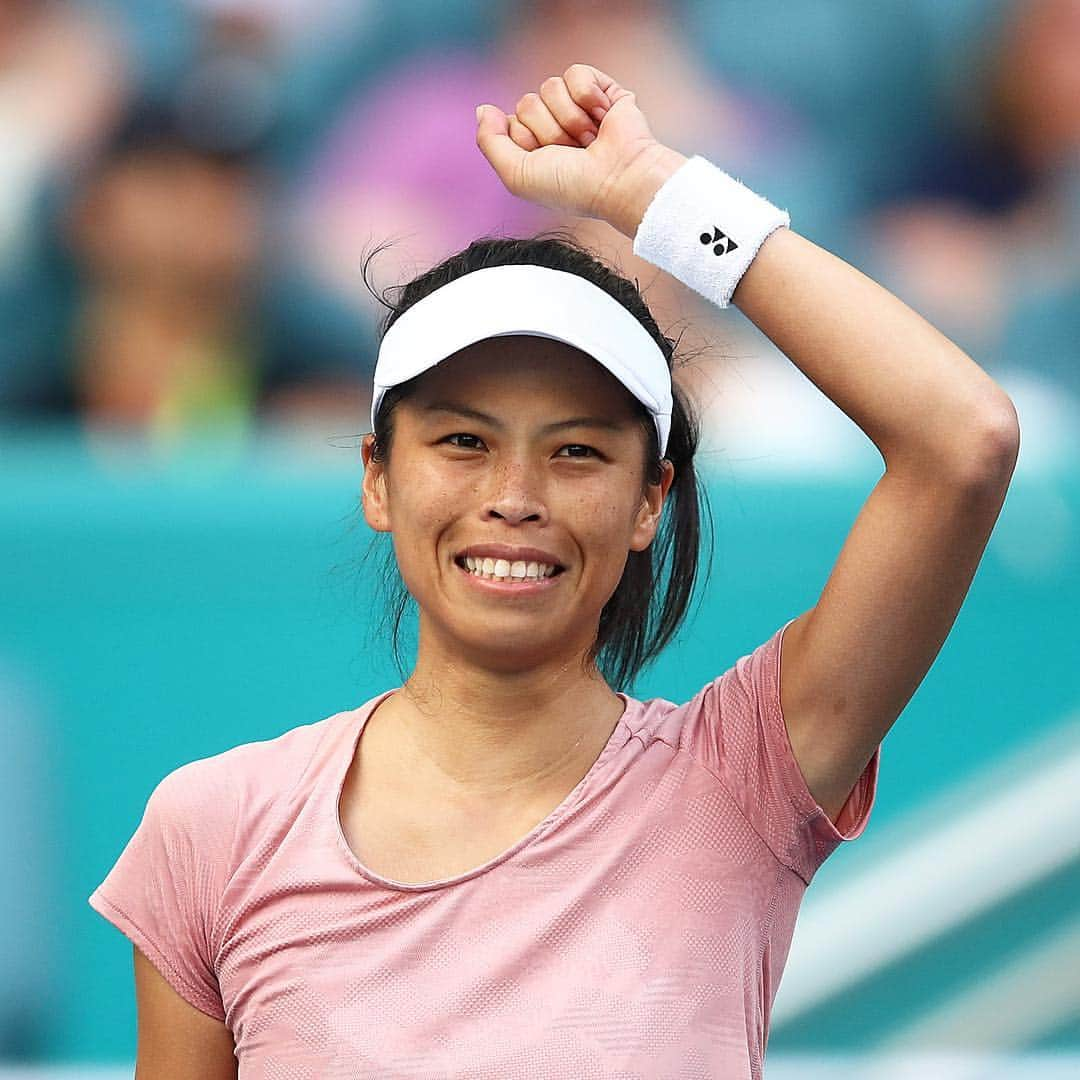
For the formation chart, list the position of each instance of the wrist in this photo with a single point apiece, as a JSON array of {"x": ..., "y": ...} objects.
[
  {"x": 705, "y": 228},
  {"x": 638, "y": 184}
]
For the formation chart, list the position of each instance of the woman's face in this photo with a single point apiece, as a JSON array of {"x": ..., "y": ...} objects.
[{"x": 514, "y": 443}]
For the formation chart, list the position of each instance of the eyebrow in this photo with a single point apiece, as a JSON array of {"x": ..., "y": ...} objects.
[{"x": 558, "y": 425}]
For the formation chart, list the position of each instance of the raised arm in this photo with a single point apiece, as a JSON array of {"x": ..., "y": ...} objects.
[
  {"x": 948, "y": 434},
  {"x": 949, "y": 438}
]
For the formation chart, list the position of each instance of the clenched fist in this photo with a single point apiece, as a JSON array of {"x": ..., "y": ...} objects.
[{"x": 581, "y": 145}]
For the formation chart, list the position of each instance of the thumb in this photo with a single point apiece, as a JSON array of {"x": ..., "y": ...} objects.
[{"x": 493, "y": 138}]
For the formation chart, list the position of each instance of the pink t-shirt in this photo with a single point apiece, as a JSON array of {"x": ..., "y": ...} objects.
[{"x": 639, "y": 931}]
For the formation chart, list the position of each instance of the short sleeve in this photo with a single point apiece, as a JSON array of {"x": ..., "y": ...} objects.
[
  {"x": 738, "y": 729},
  {"x": 164, "y": 890}
]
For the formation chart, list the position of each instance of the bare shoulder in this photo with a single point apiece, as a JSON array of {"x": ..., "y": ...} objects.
[{"x": 176, "y": 1041}]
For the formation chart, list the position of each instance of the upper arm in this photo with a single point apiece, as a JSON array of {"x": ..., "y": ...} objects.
[
  {"x": 851, "y": 663},
  {"x": 176, "y": 1041}
]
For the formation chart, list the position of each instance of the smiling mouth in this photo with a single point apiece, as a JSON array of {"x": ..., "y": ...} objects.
[{"x": 507, "y": 571}]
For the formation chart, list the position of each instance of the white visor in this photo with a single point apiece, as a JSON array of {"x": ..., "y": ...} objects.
[{"x": 533, "y": 300}]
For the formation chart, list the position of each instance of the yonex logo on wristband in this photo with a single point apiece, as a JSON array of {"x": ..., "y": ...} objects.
[
  {"x": 689, "y": 204},
  {"x": 723, "y": 242}
]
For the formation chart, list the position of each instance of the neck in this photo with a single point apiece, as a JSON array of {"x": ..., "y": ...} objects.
[{"x": 484, "y": 732}]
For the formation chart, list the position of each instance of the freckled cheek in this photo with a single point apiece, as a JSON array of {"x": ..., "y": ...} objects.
[
  {"x": 603, "y": 526},
  {"x": 438, "y": 509},
  {"x": 423, "y": 518},
  {"x": 426, "y": 504}
]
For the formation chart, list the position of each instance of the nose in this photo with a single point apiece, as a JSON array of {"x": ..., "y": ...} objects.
[{"x": 515, "y": 496}]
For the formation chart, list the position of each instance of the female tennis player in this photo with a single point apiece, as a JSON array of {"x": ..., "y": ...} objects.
[{"x": 506, "y": 867}]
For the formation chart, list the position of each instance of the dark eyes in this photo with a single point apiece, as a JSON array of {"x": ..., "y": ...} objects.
[{"x": 473, "y": 440}]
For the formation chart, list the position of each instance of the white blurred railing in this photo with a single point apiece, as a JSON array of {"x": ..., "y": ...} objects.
[{"x": 924, "y": 1067}]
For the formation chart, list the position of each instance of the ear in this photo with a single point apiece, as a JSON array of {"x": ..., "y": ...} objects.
[
  {"x": 373, "y": 490},
  {"x": 652, "y": 503}
]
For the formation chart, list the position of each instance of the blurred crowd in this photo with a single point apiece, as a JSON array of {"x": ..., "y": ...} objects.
[{"x": 187, "y": 187}]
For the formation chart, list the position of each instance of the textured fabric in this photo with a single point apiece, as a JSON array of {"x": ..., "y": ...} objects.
[
  {"x": 705, "y": 227},
  {"x": 639, "y": 931}
]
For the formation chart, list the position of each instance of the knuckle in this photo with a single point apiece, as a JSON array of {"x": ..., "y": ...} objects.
[{"x": 524, "y": 138}]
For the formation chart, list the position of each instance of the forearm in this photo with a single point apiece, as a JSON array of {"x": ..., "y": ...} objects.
[
  {"x": 920, "y": 398},
  {"x": 923, "y": 402}
]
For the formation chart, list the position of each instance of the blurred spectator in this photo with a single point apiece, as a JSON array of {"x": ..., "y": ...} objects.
[
  {"x": 284, "y": 21},
  {"x": 62, "y": 81},
  {"x": 986, "y": 242},
  {"x": 868, "y": 76},
  {"x": 299, "y": 56},
  {"x": 183, "y": 316},
  {"x": 165, "y": 233},
  {"x": 402, "y": 161}
]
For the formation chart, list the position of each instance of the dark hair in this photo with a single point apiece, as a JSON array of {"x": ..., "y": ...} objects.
[{"x": 654, "y": 593}]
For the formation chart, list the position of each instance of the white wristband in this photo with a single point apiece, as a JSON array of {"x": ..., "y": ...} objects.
[{"x": 705, "y": 227}]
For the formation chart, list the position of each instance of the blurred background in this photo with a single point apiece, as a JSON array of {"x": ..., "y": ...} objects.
[{"x": 187, "y": 188}]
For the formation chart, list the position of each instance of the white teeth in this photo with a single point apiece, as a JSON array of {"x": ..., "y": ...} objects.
[{"x": 504, "y": 570}]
